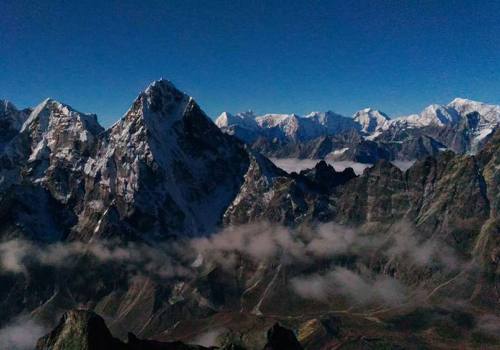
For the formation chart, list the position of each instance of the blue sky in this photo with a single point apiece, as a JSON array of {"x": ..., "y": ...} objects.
[{"x": 268, "y": 56}]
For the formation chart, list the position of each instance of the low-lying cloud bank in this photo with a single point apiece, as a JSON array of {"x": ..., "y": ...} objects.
[
  {"x": 322, "y": 262},
  {"x": 260, "y": 243},
  {"x": 297, "y": 165},
  {"x": 400, "y": 249},
  {"x": 264, "y": 241}
]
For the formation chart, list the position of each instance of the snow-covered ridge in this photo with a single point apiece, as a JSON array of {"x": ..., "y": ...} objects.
[
  {"x": 57, "y": 130},
  {"x": 52, "y": 112},
  {"x": 370, "y": 122},
  {"x": 284, "y": 126},
  {"x": 490, "y": 113}
]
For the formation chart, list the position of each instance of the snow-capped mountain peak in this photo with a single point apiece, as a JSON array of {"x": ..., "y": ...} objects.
[
  {"x": 51, "y": 111},
  {"x": 224, "y": 119},
  {"x": 272, "y": 120},
  {"x": 165, "y": 144},
  {"x": 57, "y": 130},
  {"x": 438, "y": 115},
  {"x": 244, "y": 119},
  {"x": 249, "y": 127},
  {"x": 489, "y": 113},
  {"x": 323, "y": 118},
  {"x": 370, "y": 120},
  {"x": 162, "y": 102}
]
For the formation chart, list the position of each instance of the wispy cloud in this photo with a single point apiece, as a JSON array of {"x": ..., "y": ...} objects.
[
  {"x": 356, "y": 287},
  {"x": 21, "y": 333},
  {"x": 16, "y": 255},
  {"x": 209, "y": 338}
]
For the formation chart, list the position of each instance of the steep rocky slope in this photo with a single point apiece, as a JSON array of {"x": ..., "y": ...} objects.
[{"x": 164, "y": 169}]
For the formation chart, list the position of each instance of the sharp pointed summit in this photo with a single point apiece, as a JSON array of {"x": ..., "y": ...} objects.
[{"x": 165, "y": 167}]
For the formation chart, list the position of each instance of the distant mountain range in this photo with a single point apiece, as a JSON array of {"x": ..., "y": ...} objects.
[
  {"x": 170, "y": 227},
  {"x": 462, "y": 126}
]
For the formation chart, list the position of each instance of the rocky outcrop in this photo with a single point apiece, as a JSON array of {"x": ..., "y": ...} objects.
[
  {"x": 80, "y": 329},
  {"x": 85, "y": 330},
  {"x": 279, "y": 337},
  {"x": 325, "y": 178}
]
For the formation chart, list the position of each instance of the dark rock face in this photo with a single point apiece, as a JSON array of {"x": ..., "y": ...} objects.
[
  {"x": 24, "y": 204},
  {"x": 325, "y": 177},
  {"x": 281, "y": 338},
  {"x": 80, "y": 329},
  {"x": 85, "y": 330},
  {"x": 351, "y": 146}
]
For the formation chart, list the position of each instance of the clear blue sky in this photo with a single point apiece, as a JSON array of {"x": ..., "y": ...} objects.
[{"x": 269, "y": 56}]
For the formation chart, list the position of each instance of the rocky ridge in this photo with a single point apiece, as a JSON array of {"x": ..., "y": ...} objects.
[{"x": 85, "y": 330}]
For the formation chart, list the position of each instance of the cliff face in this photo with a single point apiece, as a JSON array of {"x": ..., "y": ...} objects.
[{"x": 79, "y": 329}]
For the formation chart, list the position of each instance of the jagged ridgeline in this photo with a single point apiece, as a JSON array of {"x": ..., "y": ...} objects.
[
  {"x": 462, "y": 126},
  {"x": 81, "y": 329},
  {"x": 175, "y": 230}
]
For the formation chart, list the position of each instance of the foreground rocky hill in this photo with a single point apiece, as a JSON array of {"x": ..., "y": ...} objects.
[
  {"x": 85, "y": 330},
  {"x": 173, "y": 230}
]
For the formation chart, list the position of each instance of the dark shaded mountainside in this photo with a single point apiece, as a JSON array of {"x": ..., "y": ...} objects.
[
  {"x": 173, "y": 230},
  {"x": 81, "y": 329}
]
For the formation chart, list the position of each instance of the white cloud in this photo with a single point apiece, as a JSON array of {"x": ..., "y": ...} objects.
[
  {"x": 354, "y": 286},
  {"x": 208, "y": 339}
]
